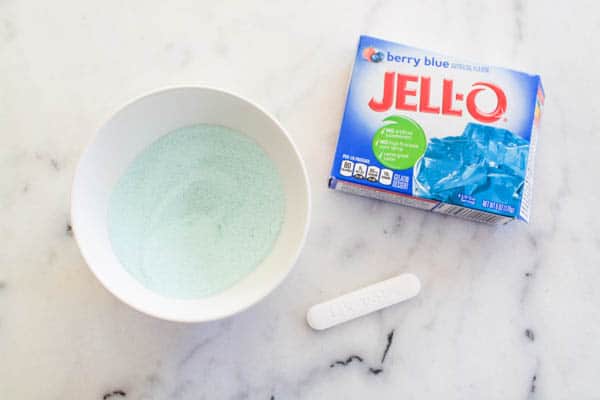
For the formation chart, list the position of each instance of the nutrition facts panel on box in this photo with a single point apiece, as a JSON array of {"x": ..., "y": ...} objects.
[{"x": 371, "y": 173}]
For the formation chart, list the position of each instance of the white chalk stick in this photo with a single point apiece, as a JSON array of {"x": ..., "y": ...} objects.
[{"x": 363, "y": 301}]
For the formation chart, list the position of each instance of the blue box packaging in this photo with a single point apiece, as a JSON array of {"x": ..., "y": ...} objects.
[{"x": 437, "y": 133}]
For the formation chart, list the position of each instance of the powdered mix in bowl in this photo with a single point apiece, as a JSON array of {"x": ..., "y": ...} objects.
[{"x": 196, "y": 211}]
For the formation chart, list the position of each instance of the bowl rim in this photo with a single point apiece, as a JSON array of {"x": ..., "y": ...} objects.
[{"x": 239, "y": 308}]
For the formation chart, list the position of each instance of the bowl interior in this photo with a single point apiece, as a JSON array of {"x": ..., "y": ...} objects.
[{"x": 124, "y": 136}]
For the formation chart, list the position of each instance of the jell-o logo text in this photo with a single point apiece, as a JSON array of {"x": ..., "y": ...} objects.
[{"x": 413, "y": 93}]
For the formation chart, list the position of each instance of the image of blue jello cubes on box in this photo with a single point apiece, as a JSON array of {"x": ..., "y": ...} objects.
[{"x": 484, "y": 167}]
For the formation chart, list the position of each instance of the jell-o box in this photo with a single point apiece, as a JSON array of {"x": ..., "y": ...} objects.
[{"x": 438, "y": 133}]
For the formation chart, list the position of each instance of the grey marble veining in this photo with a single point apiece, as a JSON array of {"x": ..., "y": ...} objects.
[{"x": 504, "y": 313}]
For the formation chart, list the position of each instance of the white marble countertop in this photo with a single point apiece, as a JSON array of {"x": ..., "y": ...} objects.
[{"x": 505, "y": 313}]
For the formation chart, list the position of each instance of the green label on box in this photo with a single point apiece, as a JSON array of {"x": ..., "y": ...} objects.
[{"x": 399, "y": 144}]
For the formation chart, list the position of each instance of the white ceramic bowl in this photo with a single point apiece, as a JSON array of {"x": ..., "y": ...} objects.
[{"x": 122, "y": 138}]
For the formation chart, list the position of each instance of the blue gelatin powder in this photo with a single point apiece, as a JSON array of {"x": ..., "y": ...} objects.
[{"x": 196, "y": 211}]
